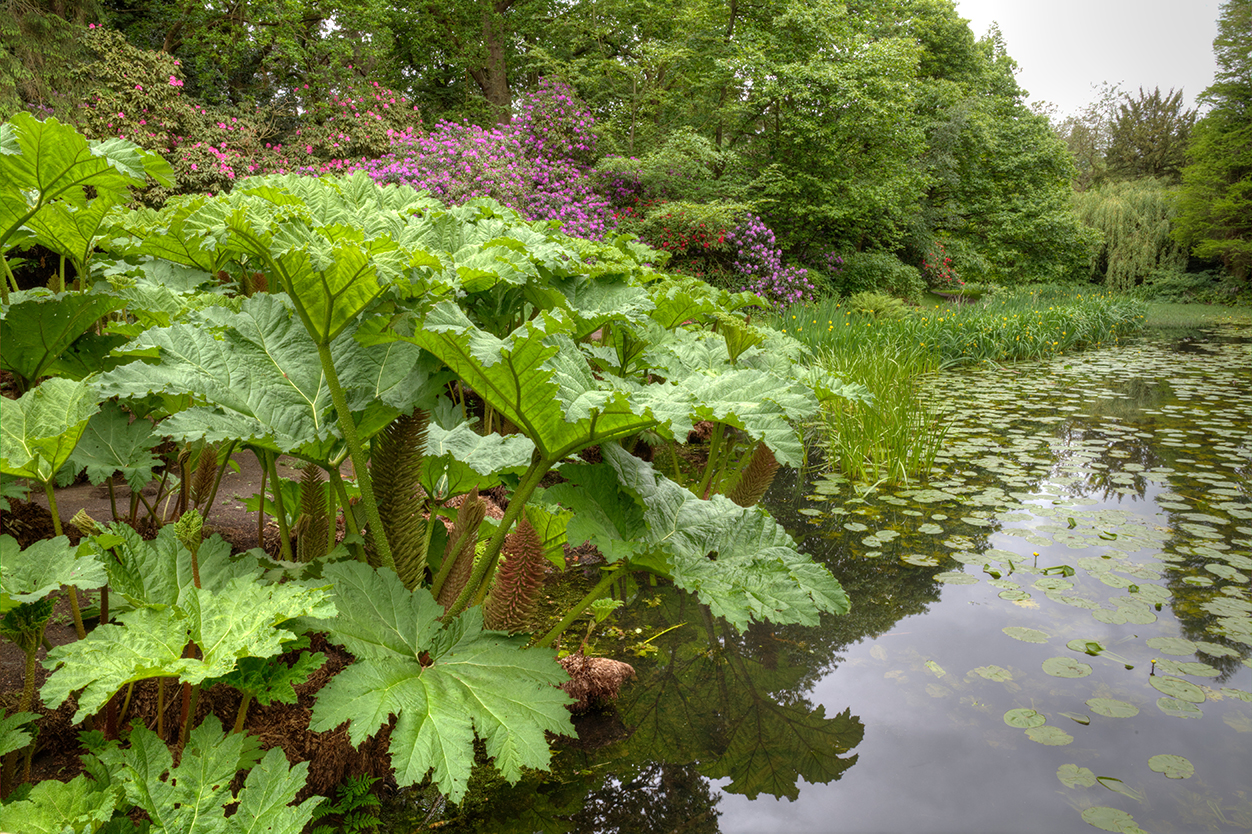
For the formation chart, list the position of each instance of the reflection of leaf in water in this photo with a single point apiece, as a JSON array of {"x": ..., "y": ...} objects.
[
  {"x": 1238, "y": 722},
  {"x": 772, "y": 745},
  {"x": 715, "y": 709}
]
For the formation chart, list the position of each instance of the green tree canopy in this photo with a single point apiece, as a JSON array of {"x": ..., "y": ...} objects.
[
  {"x": 1148, "y": 137},
  {"x": 1215, "y": 202}
]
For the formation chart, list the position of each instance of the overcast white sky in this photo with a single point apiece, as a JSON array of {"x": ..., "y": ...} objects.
[{"x": 1065, "y": 46}]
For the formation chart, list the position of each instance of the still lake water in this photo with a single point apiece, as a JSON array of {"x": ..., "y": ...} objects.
[{"x": 1052, "y": 635}]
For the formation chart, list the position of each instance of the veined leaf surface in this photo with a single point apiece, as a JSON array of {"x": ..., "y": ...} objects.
[
  {"x": 445, "y": 683},
  {"x": 39, "y": 431}
]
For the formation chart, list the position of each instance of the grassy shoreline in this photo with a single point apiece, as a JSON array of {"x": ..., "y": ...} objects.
[{"x": 893, "y": 437}]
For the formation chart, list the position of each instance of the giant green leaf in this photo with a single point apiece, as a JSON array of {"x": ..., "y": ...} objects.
[
  {"x": 71, "y": 230},
  {"x": 38, "y": 329},
  {"x": 330, "y": 245},
  {"x": 261, "y": 381},
  {"x": 14, "y": 734},
  {"x": 31, "y": 574},
  {"x": 538, "y": 380},
  {"x": 43, "y": 161},
  {"x": 446, "y": 683},
  {"x": 737, "y": 560},
  {"x": 155, "y": 572},
  {"x": 38, "y": 432},
  {"x": 192, "y": 796},
  {"x": 112, "y": 443},
  {"x": 245, "y": 619},
  {"x": 468, "y": 459},
  {"x": 80, "y": 806}
]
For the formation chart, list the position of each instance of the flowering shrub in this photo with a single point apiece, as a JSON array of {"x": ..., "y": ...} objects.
[
  {"x": 758, "y": 262},
  {"x": 534, "y": 165},
  {"x": 553, "y": 122},
  {"x": 937, "y": 269},
  {"x": 136, "y": 94}
]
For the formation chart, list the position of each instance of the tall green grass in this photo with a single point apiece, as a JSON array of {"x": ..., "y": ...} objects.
[
  {"x": 894, "y": 437},
  {"x": 1028, "y": 324}
]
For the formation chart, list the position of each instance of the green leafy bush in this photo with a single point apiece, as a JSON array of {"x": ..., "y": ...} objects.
[
  {"x": 877, "y": 304},
  {"x": 879, "y": 272}
]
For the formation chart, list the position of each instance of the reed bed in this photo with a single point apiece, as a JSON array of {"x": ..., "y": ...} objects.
[{"x": 893, "y": 438}]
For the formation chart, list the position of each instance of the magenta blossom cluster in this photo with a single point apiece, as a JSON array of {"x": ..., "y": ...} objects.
[
  {"x": 534, "y": 165},
  {"x": 758, "y": 261},
  {"x": 553, "y": 122}
]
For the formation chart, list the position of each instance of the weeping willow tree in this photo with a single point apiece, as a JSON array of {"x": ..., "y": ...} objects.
[{"x": 1134, "y": 218}]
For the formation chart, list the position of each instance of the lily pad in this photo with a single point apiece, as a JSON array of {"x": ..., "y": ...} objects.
[
  {"x": 1051, "y": 736},
  {"x": 1078, "y": 717},
  {"x": 1178, "y": 688},
  {"x": 1172, "y": 645},
  {"x": 1066, "y": 667},
  {"x": 955, "y": 577},
  {"x": 1112, "y": 708},
  {"x": 993, "y": 673},
  {"x": 1177, "y": 708},
  {"x": 1174, "y": 667},
  {"x": 1073, "y": 776},
  {"x": 1024, "y": 718},
  {"x": 1174, "y": 767},
  {"x": 920, "y": 560},
  {"x": 1026, "y": 635}
]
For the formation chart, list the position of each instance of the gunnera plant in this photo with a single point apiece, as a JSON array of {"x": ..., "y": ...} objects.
[
  {"x": 514, "y": 598},
  {"x": 458, "y": 558}
]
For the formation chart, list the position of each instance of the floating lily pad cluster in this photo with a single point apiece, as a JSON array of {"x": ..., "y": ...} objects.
[{"x": 1103, "y": 505}]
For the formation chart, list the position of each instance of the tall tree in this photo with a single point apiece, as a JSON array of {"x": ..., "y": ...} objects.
[
  {"x": 1215, "y": 201},
  {"x": 1148, "y": 137},
  {"x": 39, "y": 45},
  {"x": 470, "y": 45},
  {"x": 259, "y": 51}
]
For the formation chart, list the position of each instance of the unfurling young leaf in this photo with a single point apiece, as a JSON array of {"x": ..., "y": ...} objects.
[{"x": 445, "y": 682}]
